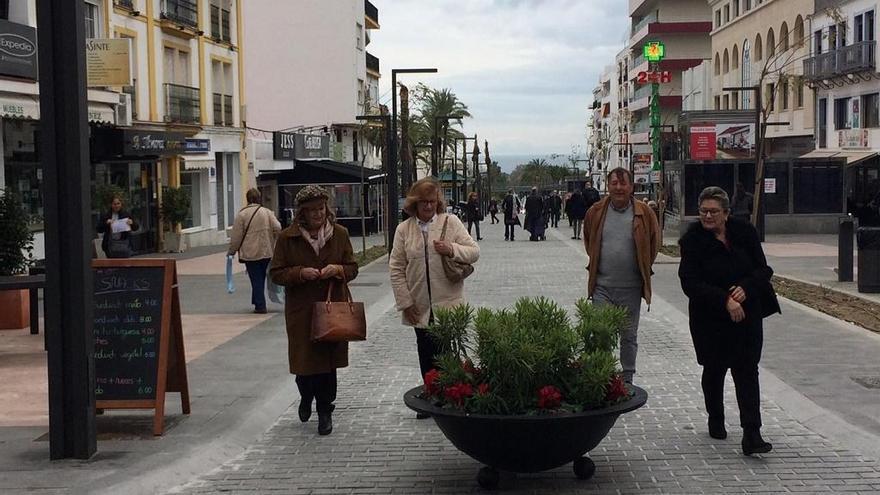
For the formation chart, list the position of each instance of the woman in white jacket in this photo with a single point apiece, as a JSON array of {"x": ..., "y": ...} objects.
[{"x": 417, "y": 275}]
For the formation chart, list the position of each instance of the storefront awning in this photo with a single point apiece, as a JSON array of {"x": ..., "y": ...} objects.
[
  {"x": 101, "y": 113},
  {"x": 852, "y": 157},
  {"x": 202, "y": 161},
  {"x": 20, "y": 106}
]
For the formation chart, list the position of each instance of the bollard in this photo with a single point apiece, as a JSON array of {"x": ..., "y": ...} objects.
[{"x": 845, "y": 250}]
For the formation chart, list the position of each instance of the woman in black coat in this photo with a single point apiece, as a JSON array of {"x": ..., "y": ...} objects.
[
  {"x": 725, "y": 275},
  {"x": 116, "y": 244}
]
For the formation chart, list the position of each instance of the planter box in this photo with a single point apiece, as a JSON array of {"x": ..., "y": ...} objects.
[
  {"x": 526, "y": 443},
  {"x": 15, "y": 310}
]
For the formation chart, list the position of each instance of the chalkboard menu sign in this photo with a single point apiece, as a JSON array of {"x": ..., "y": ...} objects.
[
  {"x": 128, "y": 326},
  {"x": 139, "y": 353}
]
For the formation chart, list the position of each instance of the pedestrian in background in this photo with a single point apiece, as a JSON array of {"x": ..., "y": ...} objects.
[
  {"x": 511, "y": 207},
  {"x": 253, "y": 237},
  {"x": 590, "y": 194},
  {"x": 418, "y": 279},
  {"x": 493, "y": 211},
  {"x": 534, "y": 215},
  {"x": 724, "y": 273},
  {"x": 116, "y": 226},
  {"x": 577, "y": 209},
  {"x": 555, "y": 208},
  {"x": 743, "y": 203},
  {"x": 622, "y": 239},
  {"x": 311, "y": 253},
  {"x": 474, "y": 214}
]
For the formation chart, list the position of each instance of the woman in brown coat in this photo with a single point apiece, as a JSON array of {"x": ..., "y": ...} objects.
[{"x": 310, "y": 255}]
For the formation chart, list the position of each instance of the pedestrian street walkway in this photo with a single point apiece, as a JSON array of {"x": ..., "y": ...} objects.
[{"x": 378, "y": 446}]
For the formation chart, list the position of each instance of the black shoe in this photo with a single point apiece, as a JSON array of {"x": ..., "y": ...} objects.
[
  {"x": 752, "y": 443},
  {"x": 717, "y": 430},
  {"x": 479, "y": 238},
  {"x": 261, "y": 311},
  {"x": 422, "y": 415},
  {"x": 305, "y": 410},
  {"x": 325, "y": 423},
  {"x": 573, "y": 237}
]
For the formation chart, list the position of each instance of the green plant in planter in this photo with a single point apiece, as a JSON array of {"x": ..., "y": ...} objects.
[
  {"x": 530, "y": 359},
  {"x": 16, "y": 239},
  {"x": 176, "y": 203}
]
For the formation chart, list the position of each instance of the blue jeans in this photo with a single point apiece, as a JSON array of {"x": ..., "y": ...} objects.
[{"x": 256, "y": 271}]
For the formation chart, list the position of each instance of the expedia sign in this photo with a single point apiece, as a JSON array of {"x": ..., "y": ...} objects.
[{"x": 18, "y": 50}]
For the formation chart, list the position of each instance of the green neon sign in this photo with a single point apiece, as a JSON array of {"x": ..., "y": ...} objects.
[{"x": 654, "y": 51}]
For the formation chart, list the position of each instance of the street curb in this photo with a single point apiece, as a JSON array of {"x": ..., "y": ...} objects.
[{"x": 826, "y": 287}]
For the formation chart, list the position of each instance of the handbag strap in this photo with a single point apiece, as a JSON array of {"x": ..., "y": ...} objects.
[
  {"x": 445, "y": 224},
  {"x": 247, "y": 228},
  {"x": 344, "y": 283}
]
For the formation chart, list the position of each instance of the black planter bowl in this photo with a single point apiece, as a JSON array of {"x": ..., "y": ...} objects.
[{"x": 524, "y": 443}]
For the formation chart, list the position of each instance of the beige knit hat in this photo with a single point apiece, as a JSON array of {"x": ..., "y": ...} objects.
[{"x": 310, "y": 193}]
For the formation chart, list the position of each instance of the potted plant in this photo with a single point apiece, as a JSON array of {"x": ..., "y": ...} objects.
[
  {"x": 175, "y": 209},
  {"x": 526, "y": 389},
  {"x": 16, "y": 255}
]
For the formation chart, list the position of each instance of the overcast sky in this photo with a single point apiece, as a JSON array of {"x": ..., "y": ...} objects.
[{"x": 525, "y": 68}]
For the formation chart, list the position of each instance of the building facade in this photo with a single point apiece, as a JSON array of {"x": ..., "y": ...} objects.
[{"x": 310, "y": 74}]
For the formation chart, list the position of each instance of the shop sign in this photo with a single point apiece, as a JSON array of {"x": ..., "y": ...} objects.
[
  {"x": 703, "y": 142},
  {"x": 642, "y": 164},
  {"x": 312, "y": 146},
  {"x": 654, "y": 76},
  {"x": 853, "y": 138},
  {"x": 18, "y": 50},
  {"x": 152, "y": 143},
  {"x": 641, "y": 179},
  {"x": 655, "y": 177},
  {"x": 283, "y": 144},
  {"x": 21, "y": 109},
  {"x": 192, "y": 145},
  {"x": 108, "y": 62}
]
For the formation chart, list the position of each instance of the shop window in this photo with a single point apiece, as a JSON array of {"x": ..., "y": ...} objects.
[
  {"x": 817, "y": 188},
  {"x": 191, "y": 181},
  {"x": 777, "y": 203},
  {"x": 21, "y": 165}
]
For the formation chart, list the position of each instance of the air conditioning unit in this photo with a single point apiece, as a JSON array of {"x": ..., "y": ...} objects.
[{"x": 123, "y": 110}]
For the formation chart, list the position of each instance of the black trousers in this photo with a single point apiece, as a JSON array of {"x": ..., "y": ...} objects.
[
  {"x": 427, "y": 349},
  {"x": 554, "y": 217},
  {"x": 508, "y": 230},
  {"x": 748, "y": 394},
  {"x": 494, "y": 217},
  {"x": 321, "y": 387}
]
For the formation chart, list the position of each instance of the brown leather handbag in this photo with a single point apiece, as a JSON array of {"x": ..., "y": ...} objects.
[
  {"x": 455, "y": 271},
  {"x": 342, "y": 321}
]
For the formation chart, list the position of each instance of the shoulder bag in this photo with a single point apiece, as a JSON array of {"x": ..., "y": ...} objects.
[
  {"x": 244, "y": 235},
  {"x": 342, "y": 321},
  {"x": 455, "y": 271}
]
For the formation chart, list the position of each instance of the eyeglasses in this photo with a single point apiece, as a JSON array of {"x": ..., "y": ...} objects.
[{"x": 710, "y": 212}]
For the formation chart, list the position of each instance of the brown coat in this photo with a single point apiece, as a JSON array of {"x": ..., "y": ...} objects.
[
  {"x": 292, "y": 254},
  {"x": 646, "y": 235}
]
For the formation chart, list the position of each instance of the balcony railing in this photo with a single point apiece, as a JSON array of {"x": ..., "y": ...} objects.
[
  {"x": 372, "y": 63},
  {"x": 181, "y": 11},
  {"x": 132, "y": 91},
  {"x": 644, "y": 22},
  {"x": 182, "y": 104},
  {"x": 220, "y": 24},
  {"x": 125, "y": 4},
  {"x": 223, "y": 109},
  {"x": 849, "y": 59},
  {"x": 371, "y": 11}
]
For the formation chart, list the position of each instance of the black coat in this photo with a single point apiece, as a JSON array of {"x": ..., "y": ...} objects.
[
  {"x": 577, "y": 207},
  {"x": 707, "y": 271}
]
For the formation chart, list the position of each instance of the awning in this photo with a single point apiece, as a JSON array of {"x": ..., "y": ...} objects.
[
  {"x": 852, "y": 157},
  {"x": 101, "y": 113},
  {"x": 203, "y": 161},
  {"x": 20, "y": 106}
]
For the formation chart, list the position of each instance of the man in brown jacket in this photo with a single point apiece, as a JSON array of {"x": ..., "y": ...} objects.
[{"x": 622, "y": 238}]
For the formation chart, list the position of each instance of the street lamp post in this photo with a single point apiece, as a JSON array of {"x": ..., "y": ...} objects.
[
  {"x": 439, "y": 149},
  {"x": 393, "y": 190},
  {"x": 385, "y": 120}
]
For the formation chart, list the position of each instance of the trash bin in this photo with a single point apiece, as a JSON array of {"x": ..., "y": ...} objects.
[{"x": 868, "y": 241}]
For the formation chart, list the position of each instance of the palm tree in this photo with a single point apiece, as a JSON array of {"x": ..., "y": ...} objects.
[{"x": 431, "y": 103}]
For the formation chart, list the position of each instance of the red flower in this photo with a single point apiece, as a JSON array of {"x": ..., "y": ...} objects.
[
  {"x": 616, "y": 389},
  {"x": 483, "y": 389},
  {"x": 549, "y": 397},
  {"x": 432, "y": 386},
  {"x": 456, "y": 394},
  {"x": 468, "y": 367}
]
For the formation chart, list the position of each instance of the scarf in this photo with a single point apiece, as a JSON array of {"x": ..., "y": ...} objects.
[{"x": 324, "y": 235}]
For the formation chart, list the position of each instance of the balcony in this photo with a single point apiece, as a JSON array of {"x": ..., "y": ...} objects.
[
  {"x": 643, "y": 24},
  {"x": 858, "y": 57},
  {"x": 220, "y": 24},
  {"x": 373, "y": 64},
  {"x": 182, "y": 104},
  {"x": 371, "y": 14},
  {"x": 183, "y": 12},
  {"x": 223, "y": 110}
]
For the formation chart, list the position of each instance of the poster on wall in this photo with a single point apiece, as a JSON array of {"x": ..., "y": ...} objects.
[
  {"x": 853, "y": 139},
  {"x": 733, "y": 141},
  {"x": 770, "y": 185},
  {"x": 641, "y": 164},
  {"x": 703, "y": 142}
]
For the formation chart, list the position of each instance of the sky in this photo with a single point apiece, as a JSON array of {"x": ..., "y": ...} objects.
[{"x": 525, "y": 68}]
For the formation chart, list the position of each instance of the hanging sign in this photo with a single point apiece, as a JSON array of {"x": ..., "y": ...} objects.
[{"x": 108, "y": 62}]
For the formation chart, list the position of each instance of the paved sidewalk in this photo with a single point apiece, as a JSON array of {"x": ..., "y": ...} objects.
[{"x": 379, "y": 447}]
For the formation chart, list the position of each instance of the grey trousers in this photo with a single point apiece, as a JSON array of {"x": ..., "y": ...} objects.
[{"x": 629, "y": 298}]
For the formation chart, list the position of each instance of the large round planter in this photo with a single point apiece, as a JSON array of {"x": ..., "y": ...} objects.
[{"x": 526, "y": 443}]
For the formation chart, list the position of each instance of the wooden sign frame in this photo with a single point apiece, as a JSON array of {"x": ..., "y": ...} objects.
[{"x": 171, "y": 361}]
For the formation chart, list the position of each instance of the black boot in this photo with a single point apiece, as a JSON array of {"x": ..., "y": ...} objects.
[
  {"x": 305, "y": 409},
  {"x": 752, "y": 443},
  {"x": 325, "y": 423},
  {"x": 716, "y": 429}
]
